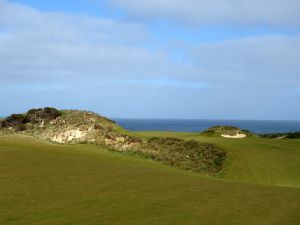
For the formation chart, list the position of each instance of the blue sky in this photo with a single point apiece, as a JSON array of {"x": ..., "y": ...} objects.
[{"x": 201, "y": 59}]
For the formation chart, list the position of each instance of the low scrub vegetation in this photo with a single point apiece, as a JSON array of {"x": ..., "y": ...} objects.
[
  {"x": 189, "y": 155},
  {"x": 281, "y": 135},
  {"x": 33, "y": 116}
]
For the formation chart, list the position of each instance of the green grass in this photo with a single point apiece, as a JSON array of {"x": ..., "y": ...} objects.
[
  {"x": 253, "y": 159},
  {"x": 47, "y": 184}
]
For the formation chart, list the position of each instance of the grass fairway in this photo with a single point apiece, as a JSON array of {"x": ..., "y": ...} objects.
[
  {"x": 254, "y": 160},
  {"x": 46, "y": 184}
]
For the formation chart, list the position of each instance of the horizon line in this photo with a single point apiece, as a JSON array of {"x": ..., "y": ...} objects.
[{"x": 140, "y": 118}]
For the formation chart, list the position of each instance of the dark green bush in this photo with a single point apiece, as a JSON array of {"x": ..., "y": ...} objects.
[
  {"x": 21, "y": 127},
  {"x": 281, "y": 135},
  {"x": 16, "y": 119},
  {"x": 47, "y": 114},
  {"x": 293, "y": 135}
]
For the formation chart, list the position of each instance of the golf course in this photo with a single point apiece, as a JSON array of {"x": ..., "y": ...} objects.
[
  {"x": 160, "y": 112},
  {"x": 45, "y": 183}
]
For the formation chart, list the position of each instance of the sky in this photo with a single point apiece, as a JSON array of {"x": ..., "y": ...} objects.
[{"x": 184, "y": 59}]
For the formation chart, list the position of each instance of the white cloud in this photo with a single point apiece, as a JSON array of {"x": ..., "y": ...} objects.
[
  {"x": 104, "y": 59},
  {"x": 238, "y": 12},
  {"x": 40, "y": 46},
  {"x": 266, "y": 61}
]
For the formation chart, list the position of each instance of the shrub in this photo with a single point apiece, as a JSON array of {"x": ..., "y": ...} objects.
[
  {"x": 16, "y": 119},
  {"x": 21, "y": 127},
  {"x": 293, "y": 135},
  {"x": 281, "y": 135},
  {"x": 98, "y": 126},
  {"x": 47, "y": 114},
  {"x": 189, "y": 155}
]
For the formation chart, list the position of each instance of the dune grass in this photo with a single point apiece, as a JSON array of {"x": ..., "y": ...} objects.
[
  {"x": 253, "y": 159},
  {"x": 49, "y": 184}
]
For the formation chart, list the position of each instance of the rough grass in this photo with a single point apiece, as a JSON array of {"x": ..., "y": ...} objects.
[
  {"x": 49, "y": 184},
  {"x": 253, "y": 159},
  {"x": 186, "y": 154}
]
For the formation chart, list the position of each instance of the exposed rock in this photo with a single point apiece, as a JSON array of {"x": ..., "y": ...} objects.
[{"x": 68, "y": 136}]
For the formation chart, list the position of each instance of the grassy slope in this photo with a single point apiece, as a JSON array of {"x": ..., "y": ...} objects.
[
  {"x": 256, "y": 160},
  {"x": 84, "y": 184}
]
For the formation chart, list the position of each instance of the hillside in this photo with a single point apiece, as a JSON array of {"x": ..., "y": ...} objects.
[{"x": 74, "y": 126}]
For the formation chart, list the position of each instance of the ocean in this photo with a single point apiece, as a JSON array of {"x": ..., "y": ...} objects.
[
  {"x": 183, "y": 125},
  {"x": 197, "y": 125}
]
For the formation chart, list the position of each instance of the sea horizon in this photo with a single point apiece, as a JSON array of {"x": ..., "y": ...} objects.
[
  {"x": 198, "y": 125},
  {"x": 258, "y": 126},
  {"x": 139, "y": 118}
]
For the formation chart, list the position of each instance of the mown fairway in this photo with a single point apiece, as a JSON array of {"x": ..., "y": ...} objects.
[{"x": 46, "y": 184}]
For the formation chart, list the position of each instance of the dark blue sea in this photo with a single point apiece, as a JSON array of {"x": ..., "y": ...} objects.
[{"x": 181, "y": 125}]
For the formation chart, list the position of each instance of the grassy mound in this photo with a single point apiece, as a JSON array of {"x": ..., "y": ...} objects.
[
  {"x": 67, "y": 126},
  {"x": 224, "y": 130},
  {"x": 74, "y": 126}
]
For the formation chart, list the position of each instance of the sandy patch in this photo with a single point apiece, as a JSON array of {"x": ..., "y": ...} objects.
[
  {"x": 68, "y": 136},
  {"x": 234, "y": 136},
  {"x": 281, "y": 137}
]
